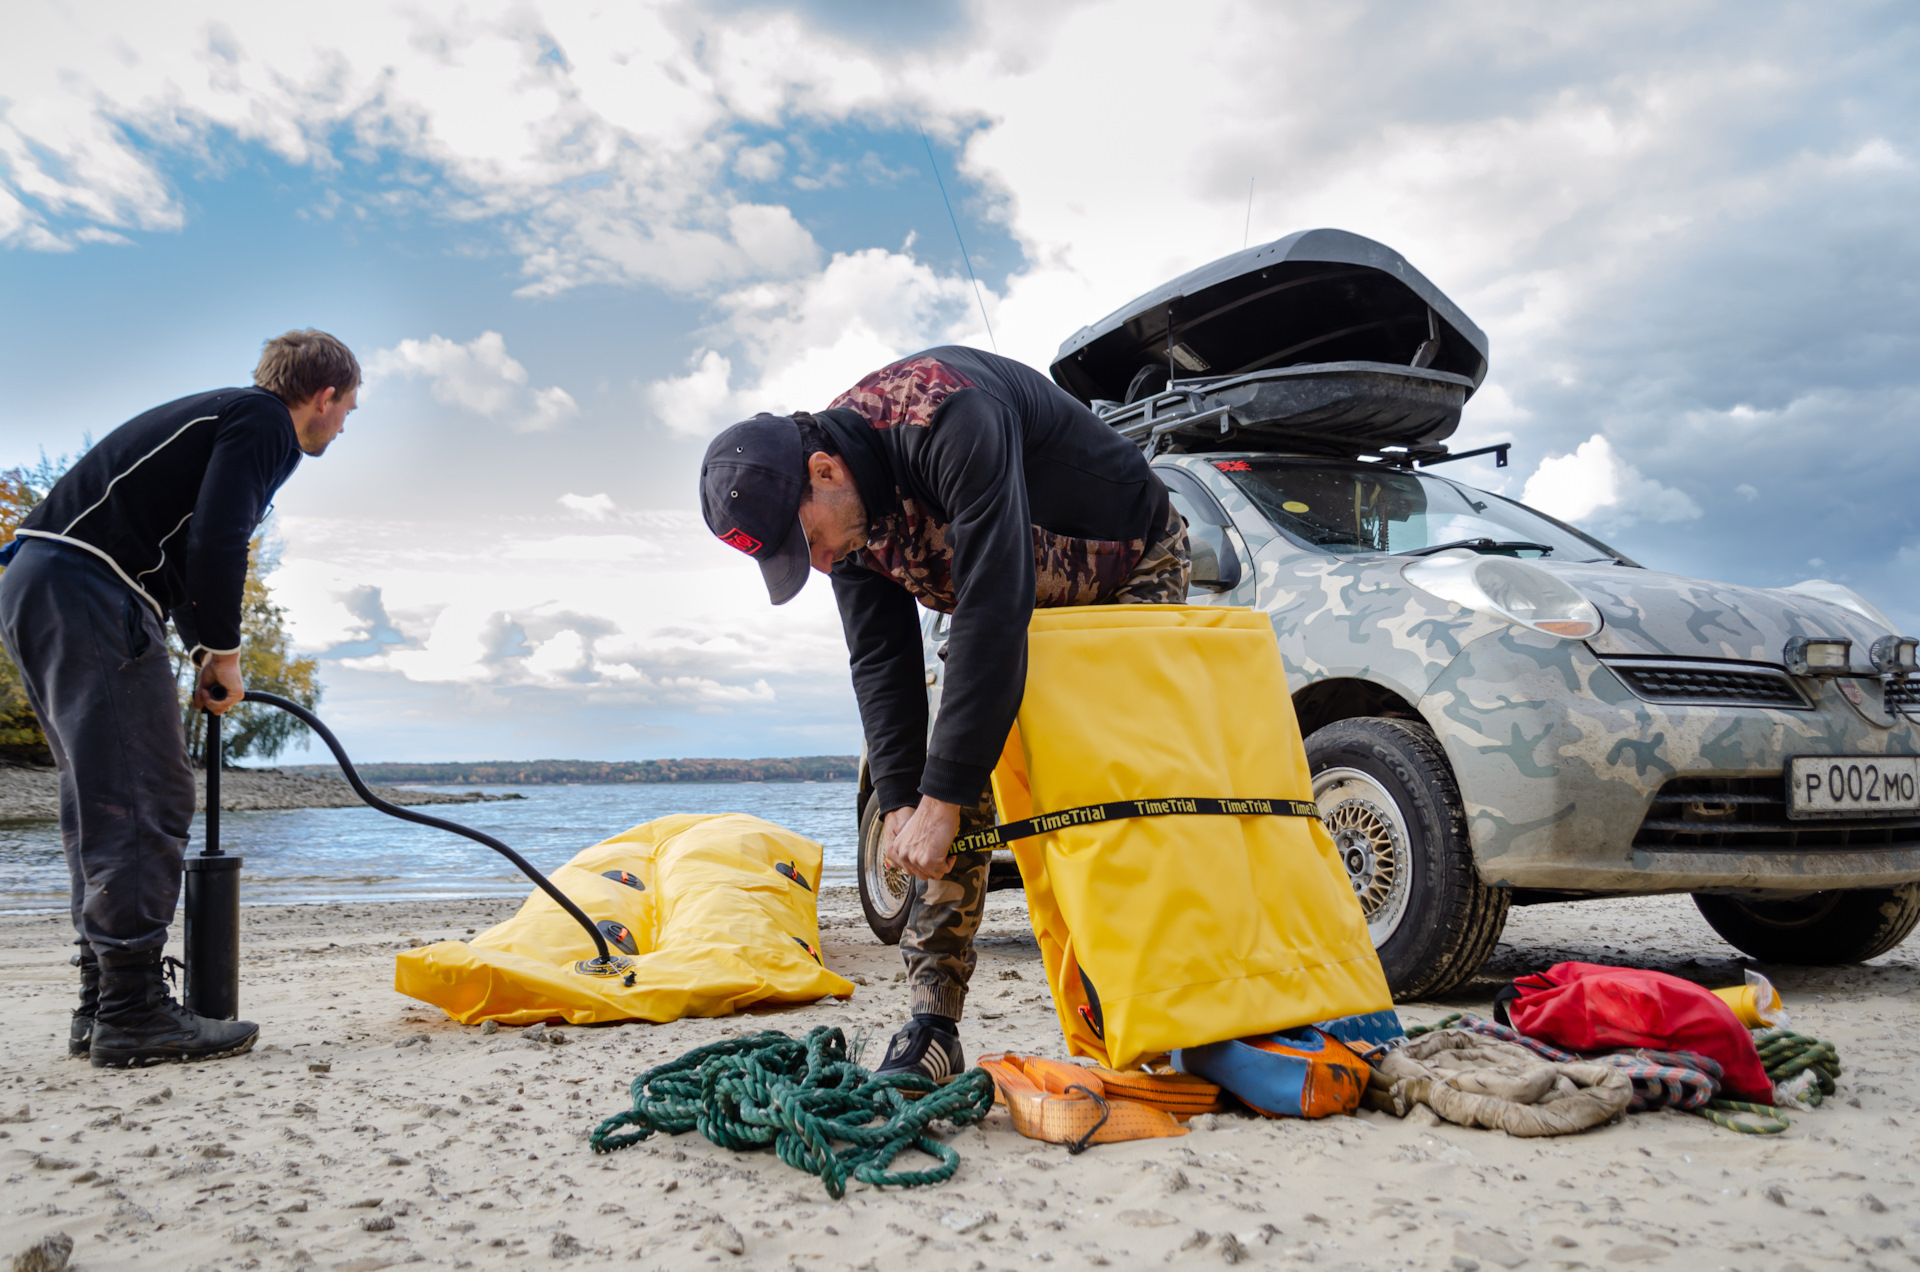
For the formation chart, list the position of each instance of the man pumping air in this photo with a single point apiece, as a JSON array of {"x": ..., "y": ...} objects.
[
  {"x": 973, "y": 484},
  {"x": 153, "y": 521}
]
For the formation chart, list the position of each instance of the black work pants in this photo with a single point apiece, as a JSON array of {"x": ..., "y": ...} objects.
[{"x": 93, "y": 655}]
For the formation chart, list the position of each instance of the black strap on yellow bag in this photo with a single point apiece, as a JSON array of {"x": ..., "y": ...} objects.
[{"x": 1119, "y": 810}]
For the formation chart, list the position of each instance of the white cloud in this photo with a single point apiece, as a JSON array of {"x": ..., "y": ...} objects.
[
  {"x": 595, "y": 136},
  {"x": 582, "y": 547},
  {"x": 672, "y": 620},
  {"x": 806, "y": 340},
  {"x": 479, "y": 376},
  {"x": 760, "y": 163},
  {"x": 1595, "y": 484},
  {"x": 593, "y": 507},
  {"x": 699, "y": 402}
]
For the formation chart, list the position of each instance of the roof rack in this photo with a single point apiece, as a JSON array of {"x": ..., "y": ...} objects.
[{"x": 1393, "y": 413}]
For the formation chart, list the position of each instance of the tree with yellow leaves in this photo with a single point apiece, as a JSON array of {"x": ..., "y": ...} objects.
[
  {"x": 20, "y": 736},
  {"x": 267, "y": 663}
]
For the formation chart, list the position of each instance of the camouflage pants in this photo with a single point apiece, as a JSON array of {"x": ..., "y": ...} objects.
[{"x": 945, "y": 915}]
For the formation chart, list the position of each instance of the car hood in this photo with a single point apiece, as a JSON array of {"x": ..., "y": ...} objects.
[{"x": 1650, "y": 613}]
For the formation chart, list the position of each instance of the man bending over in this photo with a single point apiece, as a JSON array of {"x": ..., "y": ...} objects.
[
  {"x": 972, "y": 484},
  {"x": 153, "y": 521}
]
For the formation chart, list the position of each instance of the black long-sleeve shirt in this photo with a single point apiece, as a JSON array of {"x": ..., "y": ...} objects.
[
  {"x": 989, "y": 491},
  {"x": 170, "y": 500}
]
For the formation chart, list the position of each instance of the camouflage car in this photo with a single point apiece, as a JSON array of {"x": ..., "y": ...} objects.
[{"x": 1498, "y": 708}]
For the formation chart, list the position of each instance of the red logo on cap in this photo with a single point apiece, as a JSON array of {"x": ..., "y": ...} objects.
[{"x": 738, "y": 538}]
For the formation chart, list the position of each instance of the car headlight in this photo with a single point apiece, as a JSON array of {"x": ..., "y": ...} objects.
[
  {"x": 1524, "y": 595},
  {"x": 1896, "y": 655},
  {"x": 1817, "y": 655}
]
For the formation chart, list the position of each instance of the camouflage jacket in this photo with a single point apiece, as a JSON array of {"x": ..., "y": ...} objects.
[{"x": 988, "y": 491}]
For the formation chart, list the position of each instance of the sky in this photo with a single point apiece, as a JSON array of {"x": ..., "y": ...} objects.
[{"x": 571, "y": 242}]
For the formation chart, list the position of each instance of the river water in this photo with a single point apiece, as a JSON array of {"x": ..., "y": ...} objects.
[{"x": 357, "y": 854}]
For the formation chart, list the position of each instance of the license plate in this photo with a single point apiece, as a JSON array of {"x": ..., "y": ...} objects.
[{"x": 1852, "y": 785}]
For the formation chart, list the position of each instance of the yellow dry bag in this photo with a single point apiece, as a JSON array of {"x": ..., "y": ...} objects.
[
  {"x": 705, "y": 914},
  {"x": 1162, "y": 931}
]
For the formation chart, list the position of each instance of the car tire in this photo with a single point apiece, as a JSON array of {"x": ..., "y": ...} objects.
[
  {"x": 1389, "y": 799},
  {"x": 886, "y": 894},
  {"x": 1825, "y": 928}
]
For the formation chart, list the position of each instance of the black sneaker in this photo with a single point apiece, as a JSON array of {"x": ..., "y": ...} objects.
[{"x": 925, "y": 1047}]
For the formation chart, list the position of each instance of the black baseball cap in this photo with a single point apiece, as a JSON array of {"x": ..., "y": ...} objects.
[{"x": 750, "y": 488}]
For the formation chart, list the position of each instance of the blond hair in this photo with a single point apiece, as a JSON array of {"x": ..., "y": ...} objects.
[{"x": 299, "y": 364}]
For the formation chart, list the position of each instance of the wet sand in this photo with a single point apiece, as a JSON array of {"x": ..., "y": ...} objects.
[{"x": 367, "y": 1131}]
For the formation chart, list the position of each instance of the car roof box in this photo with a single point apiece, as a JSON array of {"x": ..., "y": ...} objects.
[{"x": 1323, "y": 338}]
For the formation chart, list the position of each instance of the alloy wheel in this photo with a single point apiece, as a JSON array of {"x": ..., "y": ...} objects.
[
  {"x": 888, "y": 886},
  {"x": 1370, "y": 834}
]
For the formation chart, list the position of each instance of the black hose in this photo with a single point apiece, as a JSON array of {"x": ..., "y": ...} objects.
[{"x": 527, "y": 868}]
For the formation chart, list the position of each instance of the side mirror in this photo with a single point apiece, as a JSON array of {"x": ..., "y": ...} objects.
[{"x": 1216, "y": 566}]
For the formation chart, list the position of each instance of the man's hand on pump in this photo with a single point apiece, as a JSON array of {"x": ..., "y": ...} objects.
[
  {"x": 918, "y": 838},
  {"x": 222, "y": 670}
]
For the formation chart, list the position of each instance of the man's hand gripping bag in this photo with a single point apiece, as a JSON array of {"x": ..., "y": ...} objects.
[
  {"x": 1168, "y": 932},
  {"x": 705, "y": 914}
]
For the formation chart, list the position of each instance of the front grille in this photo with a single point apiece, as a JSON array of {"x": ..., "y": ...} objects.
[
  {"x": 1710, "y": 684},
  {"x": 1748, "y": 814},
  {"x": 1904, "y": 695}
]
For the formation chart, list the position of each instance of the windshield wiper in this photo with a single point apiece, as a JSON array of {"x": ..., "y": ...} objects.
[{"x": 1479, "y": 545}]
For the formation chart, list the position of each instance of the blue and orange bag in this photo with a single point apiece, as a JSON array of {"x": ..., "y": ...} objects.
[{"x": 1306, "y": 1072}]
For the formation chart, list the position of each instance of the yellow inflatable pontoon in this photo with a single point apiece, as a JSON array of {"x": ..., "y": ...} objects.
[
  {"x": 707, "y": 914},
  {"x": 1161, "y": 932}
]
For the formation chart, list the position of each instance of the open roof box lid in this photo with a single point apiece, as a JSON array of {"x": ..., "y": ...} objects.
[{"x": 1322, "y": 340}]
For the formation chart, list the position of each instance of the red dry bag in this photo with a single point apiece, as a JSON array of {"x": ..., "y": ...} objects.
[{"x": 1585, "y": 1007}]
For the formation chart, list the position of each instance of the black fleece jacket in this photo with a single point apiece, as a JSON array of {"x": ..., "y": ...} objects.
[
  {"x": 170, "y": 499},
  {"x": 967, "y": 462}
]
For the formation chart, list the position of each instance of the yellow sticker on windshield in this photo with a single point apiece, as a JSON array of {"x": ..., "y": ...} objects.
[{"x": 1294, "y": 505}]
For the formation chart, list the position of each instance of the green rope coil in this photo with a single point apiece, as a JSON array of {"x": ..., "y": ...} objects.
[
  {"x": 1748, "y": 1119},
  {"x": 1445, "y": 1022},
  {"x": 802, "y": 1097},
  {"x": 1786, "y": 1055}
]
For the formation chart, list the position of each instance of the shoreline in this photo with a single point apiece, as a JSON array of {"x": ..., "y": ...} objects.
[
  {"x": 32, "y": 792},
  {"x": 367, "y": 1130}
]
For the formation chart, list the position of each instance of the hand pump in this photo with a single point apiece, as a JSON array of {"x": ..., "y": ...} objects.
[{"x": 212, "y": 909}]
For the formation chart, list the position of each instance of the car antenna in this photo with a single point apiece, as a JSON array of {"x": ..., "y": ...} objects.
[
  {"x": 1246, "y": 231},
  {"x": 935, "y": 165}
]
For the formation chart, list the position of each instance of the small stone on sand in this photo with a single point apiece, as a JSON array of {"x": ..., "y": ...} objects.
[{"x": 49, "y": 1254}]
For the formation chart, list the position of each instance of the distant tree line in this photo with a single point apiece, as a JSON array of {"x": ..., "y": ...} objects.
[{"x": 805, "y": 768}]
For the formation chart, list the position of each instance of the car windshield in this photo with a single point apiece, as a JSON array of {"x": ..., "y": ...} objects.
[{"x": 1347, "y": 507}]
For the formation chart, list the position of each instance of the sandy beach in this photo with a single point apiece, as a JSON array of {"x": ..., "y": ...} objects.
[{"x": 367, "y": 1131}]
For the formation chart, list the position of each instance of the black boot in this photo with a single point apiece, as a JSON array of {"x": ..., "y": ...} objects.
[
  {"x": 139, "y": 1023},
  {"x": 80, "y": 1028}
]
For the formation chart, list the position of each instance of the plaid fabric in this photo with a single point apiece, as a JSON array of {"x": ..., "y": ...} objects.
[
  {"x": 1666, "y": 1079},
  {"x": 1661, "y": 1079},
  {"x": 1493, "y": 1029}
]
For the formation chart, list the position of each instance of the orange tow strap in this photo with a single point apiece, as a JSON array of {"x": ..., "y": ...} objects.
[{"x": 1077, "y": 1105}]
